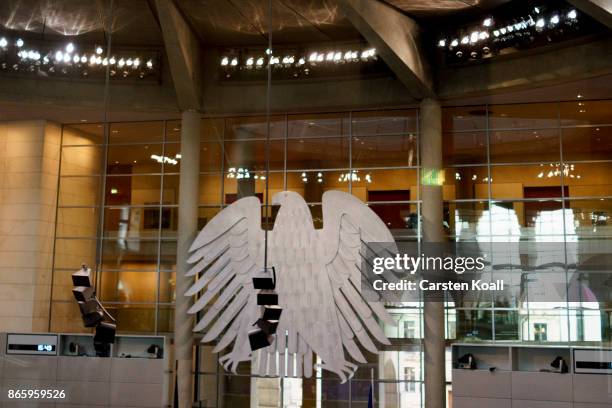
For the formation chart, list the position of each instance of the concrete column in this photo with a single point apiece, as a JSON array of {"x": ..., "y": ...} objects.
[
  {"x": 432, "y": 230},
  {"x": 187, "y": 230}
]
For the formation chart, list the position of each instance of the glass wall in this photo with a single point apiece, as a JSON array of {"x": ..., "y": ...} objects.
[{"x": 528, "y": 173}]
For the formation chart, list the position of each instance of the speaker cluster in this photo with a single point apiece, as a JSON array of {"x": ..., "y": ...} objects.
[
  {"x": 92, "y": 311},
  {"x": 267, "y": 299}
]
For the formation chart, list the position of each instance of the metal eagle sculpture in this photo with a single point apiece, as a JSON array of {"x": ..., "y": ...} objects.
[{"x": 318, "y": 284}]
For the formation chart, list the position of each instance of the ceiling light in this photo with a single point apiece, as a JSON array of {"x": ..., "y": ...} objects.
[
  {"x": 488, "y": 22},
  {"x": 233, "y": 63},
  {"x": 496, "y": 33},
  {"x": 312, "y": 57},
  {"x": 3, "y": 42},
  {"x": 224, "y": 61},
  {"x": 149, "y": 64},
  {"x": 465, "y": 40},
  {"x": 540, "y": 23},
  {"x": 66, "y": 57},
  {"x": 537, "y": 10},
  {"x": 70, "y": 47},
  {"x": 301, "y": 61},
  {"x": 330, "y": 56},
  {"x": 454, "y": 43},
  {"x": 572, "y": 15},
  {"x": 99, "y": 50},
  {"x": 76, "y": 58},
  {"x": 83, "y": 59},
  {"x": 483, "y": 35},
  {"x": 474, "y": 37},
  {"x": 122, "y": 62},
  {"x": 442, "y": 43},
  {"x": 554, "y": 19},
  {"x": 250, "y": 61},
  {"x": 502, "y": 30},
  {"x": 19, "y": 43},
  {"x": 260, "y": 61},
  {"x": 579, "y": 96}
]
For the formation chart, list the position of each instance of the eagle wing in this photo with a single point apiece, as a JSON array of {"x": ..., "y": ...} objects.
[
  {"x": 349, "y": 224},
  {"x": 225, "y": 255}
]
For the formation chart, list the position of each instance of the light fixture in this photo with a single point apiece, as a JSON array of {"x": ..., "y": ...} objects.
[
  {"x": 19, "y": 43},
  {"x": 488, "y": 22},
  {"x": 454, "y": 43},
  {"x": 442, "y": 43},
  {"x": 465, "y": 40},
  {"x": 99, "y": 50},
  {"x": 554, "y": 20},
  {"x": 572, "y": 14},
  {"x": 224, "y": 61},
  {"x": 114, "y": 191},
  {"x": 3, "y": 42},
  {"x": 69, "y": 48}
]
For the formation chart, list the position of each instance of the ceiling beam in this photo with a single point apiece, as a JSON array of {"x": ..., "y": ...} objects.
[
  {"x": 526, "y": 70},
  {"x": 600, "y": 10},
  {"x": 183, "y": 51},
  {"x": 397, "y": 39}
]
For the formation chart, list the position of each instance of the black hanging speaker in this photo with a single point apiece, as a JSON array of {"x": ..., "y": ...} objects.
[
  {"x": 266, "y": 280},
  {"x": 258, "y": 339},
  {"x": 81, "y": 277},
  {"x": 267, "y": 326},
  {"x": 263, "y": 283},
  {"x": 83, "y": 293},
  {"x": 272, "y": 312},
  {"x": 267, "y": 298},
  {"x": 105, "y": 333}
]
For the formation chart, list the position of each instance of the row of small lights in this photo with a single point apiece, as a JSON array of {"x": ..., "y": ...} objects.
[
  {"x": 242, "y": 173},
  {"x": 68, "y": 56},
  {"x": 555, "y": 170},
  {"x": 167, "y": 160},
  {"x": 477, "y": 36},
  {"x": 291, "y": 60}
]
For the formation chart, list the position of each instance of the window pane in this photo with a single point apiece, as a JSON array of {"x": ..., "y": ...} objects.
[
  {"x": 211, "y": 129},
  {"x": 77, "y": 222},
  {"x": 81, "y": 160},
  {"x": 467, "y": 221},
  {"x": 124, "y": 223},
  {"x": 83, "y": 134},
  {"x": 165, "y": 319},
  {"x": 133, "y": 190},
  {"x": 588, "y": 179},
  {"x": 591, "y": 218},
  {"x": 318, "y": 153},
  {"x": 133, "y": 318},
  {"x": 131, "y": 159},
  {"x": 586, "y": 113},
  {"x": 251, "y": 155},
  {"x": 384, "y": 122},
  {"x": 255, "y": 127},
  {"x": 171, "y": 189},
  {"x": 543, "y": 220},
  {"x": 384, "y": 151},
  {"x": 543, "y": 181},
  {"x": 474, "y": 325},
  {"x": 134, "y": 132},
  {"x": 237, "y": 186},
  {"x": 464, "y": 148},
  {"x": 167, "y": 255},
  {"x": 312, "y": 184},
  {"x": 330, "y": 124},
  {"x": 210, "y": 189},
  {"x": 167, "y": 283},
  {"x": 506, "y": 325},
  {"x": 525, "y": 146},
  {"x": 588, "y": 143},
  {"x": 205, "y": 214},
  {"x": 79, "y": 191},
  {"x": 400, "y": 218},
  {"x": 462, "y": 183},
  {"x": 129, "y": 254},
  {"x": 383, "y": 185},
  {"x": 210, "y": 156},
  {"x": 524, "y": 116},
  {"x": 460, "y": 119},
  {"x": 128, "y": 287}
]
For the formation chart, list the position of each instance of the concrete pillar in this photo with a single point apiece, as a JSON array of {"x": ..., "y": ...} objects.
[
  {"x": 187, "y": 230},
  {"x": 432, "y": 230}
]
